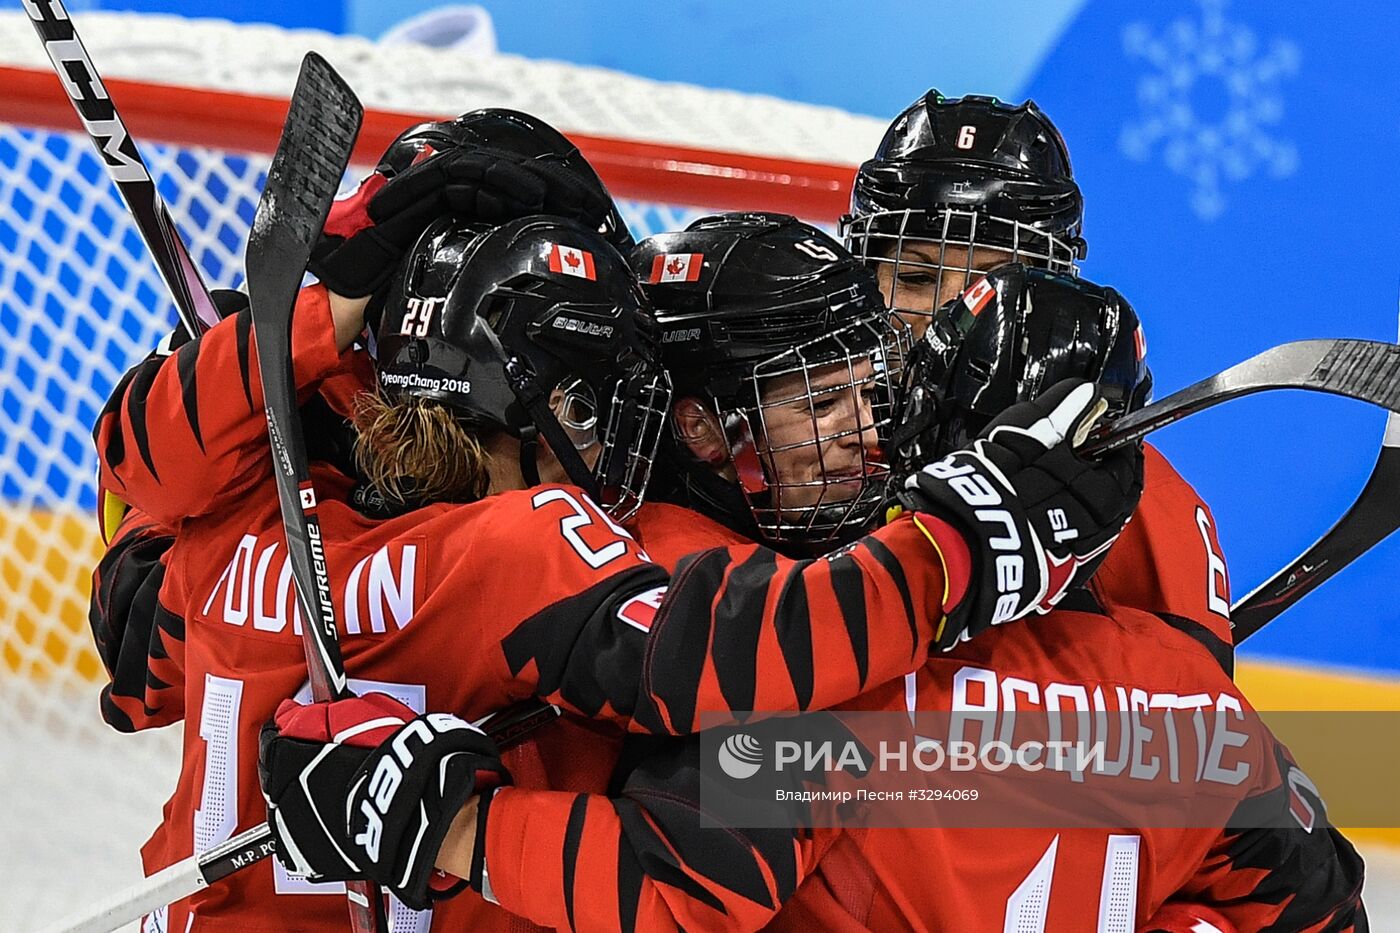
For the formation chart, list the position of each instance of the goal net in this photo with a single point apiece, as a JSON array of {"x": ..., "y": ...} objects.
[{"x": 81, "y": 301}]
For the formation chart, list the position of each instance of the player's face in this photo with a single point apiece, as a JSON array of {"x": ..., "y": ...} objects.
[
  {"x": 926, "y": 276},
  {"x": 817, "y": 434}
]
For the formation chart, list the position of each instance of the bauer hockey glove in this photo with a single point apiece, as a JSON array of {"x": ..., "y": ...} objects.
[
  {"x": 364, "y": 788},
  {"x": 367, "y": 233},
  {"x": 1037, "y": 517}
]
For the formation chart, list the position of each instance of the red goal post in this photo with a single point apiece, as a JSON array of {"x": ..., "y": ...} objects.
[{"x": 634, "y": 169}]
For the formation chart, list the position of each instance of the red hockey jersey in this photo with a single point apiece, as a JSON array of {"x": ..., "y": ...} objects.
[{"x": 647, "y": 859}]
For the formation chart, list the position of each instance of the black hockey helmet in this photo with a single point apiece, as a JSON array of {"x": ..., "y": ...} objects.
[
  {"x": 491, "y": 323},
  {"x": 970, "y": 172},
  {"x": 758, "y": 312},
  {"x": 1012, "y": 335},
  {"x": 513, "y": 131}
]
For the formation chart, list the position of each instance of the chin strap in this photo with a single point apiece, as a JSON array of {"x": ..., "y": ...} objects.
[
  {"x": 530, "y": 455},
  {"x": 527, "y": 392}
]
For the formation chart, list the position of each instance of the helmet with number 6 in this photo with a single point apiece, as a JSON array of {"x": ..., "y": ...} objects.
[{"x": 956, "y": 187}]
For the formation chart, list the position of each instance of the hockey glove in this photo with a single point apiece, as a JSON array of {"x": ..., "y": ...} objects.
[
  {"x": 367, "y": 233},
  {"x": 1037, "y": 517},
  {"x": 366, "y": 789}
]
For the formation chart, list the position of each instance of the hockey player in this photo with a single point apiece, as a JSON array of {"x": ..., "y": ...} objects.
[
  {"x": 1032, "y": 329},
  {"x": 498, "y": 165},
  {"x": 956, "y": 188},
  {"x": 959, "y": 186},
  {"x": 971, "y": 368}
]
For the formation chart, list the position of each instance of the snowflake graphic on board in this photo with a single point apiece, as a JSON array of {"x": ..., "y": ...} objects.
[{"x": 1210, "y": 103}]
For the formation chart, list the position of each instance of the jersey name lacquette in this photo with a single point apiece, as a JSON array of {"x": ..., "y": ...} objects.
[
  {"x": 255, "y": 590},
  {"x": 987, "y": 702}
]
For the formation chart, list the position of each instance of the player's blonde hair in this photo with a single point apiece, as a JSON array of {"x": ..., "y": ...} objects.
[{"x": 417, "y": 450}]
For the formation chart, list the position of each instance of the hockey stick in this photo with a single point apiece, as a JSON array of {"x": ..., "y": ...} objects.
[
  {"x": 171, "y": 884},
  {"x": 1371, "y": 519},
  {"x": 305, "y": 175},
  {"x": 124, "y": 164},
  {"x": 1363, "y": 370},
  {"x": 248, "y": 848}
]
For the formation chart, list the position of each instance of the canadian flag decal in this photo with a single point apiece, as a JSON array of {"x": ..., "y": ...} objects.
[
  {"x": 571, "y": 261},
  {"x": 676, "y": 267},
  {"x": 1140, "y": 343},
  {"x": 640, "y": 611},
  {"x": 978, "y": 295}
]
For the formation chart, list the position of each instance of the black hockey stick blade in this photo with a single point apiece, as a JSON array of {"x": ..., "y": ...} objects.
[
  {"x": 306, "y": 171},
  {"x": 1365, "y": 370},
  {"x": 1368, "y": 371},
  {"x": 1371, "y": 519},
  {"x": 118, "y": 152},
  {"x": 312, "y": 155}
]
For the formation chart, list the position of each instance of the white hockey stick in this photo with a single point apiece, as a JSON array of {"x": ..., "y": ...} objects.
[{"x": 169, "y": 885}]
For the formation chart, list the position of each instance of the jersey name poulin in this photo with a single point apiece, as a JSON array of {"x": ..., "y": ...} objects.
[{"x": 255, "y": 590}]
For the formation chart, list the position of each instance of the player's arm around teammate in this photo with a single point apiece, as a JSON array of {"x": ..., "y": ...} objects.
[{"x": 894, "y": 581}]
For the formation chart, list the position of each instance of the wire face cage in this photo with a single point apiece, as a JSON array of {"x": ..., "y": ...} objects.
[
  {"x": 925, "y": 259},
  {"x": 641, "y": 405},
  {"x": 808, "y": 446}
]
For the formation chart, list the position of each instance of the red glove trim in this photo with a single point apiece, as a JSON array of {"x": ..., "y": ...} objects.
[
  {"x": 360, "y": 722},
  {"x": 350, "y": 215}
]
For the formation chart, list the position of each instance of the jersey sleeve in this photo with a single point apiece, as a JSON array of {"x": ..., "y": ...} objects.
[
  {"x": 744, "y": 628},
  {"x": 1168, "y": 561},
  {"x": 735, "y": 629},
  {"x": 642, "y": 860},
  {"x": 141, "y": 643},
  {"x": 185, "y": 430},
  {"x": 1280, "y": 865}
]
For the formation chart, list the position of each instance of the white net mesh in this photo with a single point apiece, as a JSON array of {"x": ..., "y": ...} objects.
[
  {"x": 415, "y": 79},
  {"x": 80, "y": 302}
]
